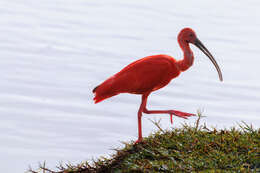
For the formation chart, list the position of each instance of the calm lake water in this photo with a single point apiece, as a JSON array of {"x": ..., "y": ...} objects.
[{"x": 53, "y": 53}]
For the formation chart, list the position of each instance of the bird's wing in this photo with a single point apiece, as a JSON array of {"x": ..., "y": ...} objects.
[{"x": 145, "y": 75}]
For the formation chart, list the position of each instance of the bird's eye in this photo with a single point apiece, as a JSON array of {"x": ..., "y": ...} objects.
[{"x": 191, "y": 35}]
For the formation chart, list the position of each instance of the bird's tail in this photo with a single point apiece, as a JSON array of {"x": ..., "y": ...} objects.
[{"x": 104, "y": 91}]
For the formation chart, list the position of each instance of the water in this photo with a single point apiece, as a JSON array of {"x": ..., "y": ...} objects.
[{"x": 54, "y": 53}]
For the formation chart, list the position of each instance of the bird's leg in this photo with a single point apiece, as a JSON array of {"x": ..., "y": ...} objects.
[
  {"x": 143, "y": 109},
  {"x": 140, "y": 138},
  {"x": 184, "y": 115}
]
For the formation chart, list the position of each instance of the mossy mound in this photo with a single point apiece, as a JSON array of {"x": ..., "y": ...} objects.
[{"x": 186, "y": 149}]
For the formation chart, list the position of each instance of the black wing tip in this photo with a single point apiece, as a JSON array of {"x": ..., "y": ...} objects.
[{"x": 94, "y": 90}]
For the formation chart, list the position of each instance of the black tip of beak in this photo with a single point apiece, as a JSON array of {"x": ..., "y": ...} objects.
[{"x": 198, "y": 43}]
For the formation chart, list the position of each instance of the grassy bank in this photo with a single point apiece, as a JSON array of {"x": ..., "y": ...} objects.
[{"x": 188, "y": 149}]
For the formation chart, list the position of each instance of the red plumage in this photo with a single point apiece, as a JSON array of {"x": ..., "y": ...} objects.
[
  {"x": 144, "y": 75},
  {"x": 152, "y": 73}
]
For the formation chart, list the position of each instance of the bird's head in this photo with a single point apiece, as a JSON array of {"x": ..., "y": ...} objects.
[{"x": 187, "y": 35}]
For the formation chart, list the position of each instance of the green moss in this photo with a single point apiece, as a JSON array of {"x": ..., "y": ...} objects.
[{"x": 186, "y": 149}]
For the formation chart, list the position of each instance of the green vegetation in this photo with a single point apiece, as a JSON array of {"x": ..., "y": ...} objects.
[{"x": 186, "y": 149}]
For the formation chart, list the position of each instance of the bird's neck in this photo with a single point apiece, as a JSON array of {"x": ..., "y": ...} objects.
[{"x": 188, "y": 59}]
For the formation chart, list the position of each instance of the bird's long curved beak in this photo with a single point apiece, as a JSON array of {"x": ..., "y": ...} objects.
[{"x": 206, "y": 52}]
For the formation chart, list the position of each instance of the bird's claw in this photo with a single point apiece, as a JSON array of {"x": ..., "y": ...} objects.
[
  {"x": 139, "y": 140},
  {"x": 184, "y": 115}
]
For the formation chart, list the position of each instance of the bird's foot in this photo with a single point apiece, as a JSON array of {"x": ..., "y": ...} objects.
[
  {"x": 139, "y": 140},
  {"x": 184, "y": 115}
]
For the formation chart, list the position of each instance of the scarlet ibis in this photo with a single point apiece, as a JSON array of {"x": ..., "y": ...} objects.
[{"x": 152, "y": 73}]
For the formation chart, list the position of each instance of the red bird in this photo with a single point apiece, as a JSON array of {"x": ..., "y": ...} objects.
[{"x": 152, "y": 73}]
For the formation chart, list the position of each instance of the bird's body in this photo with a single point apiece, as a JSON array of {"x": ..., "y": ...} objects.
[
  {"x": 152, "y": 73},
  {"x": 144, "y": 75}
]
